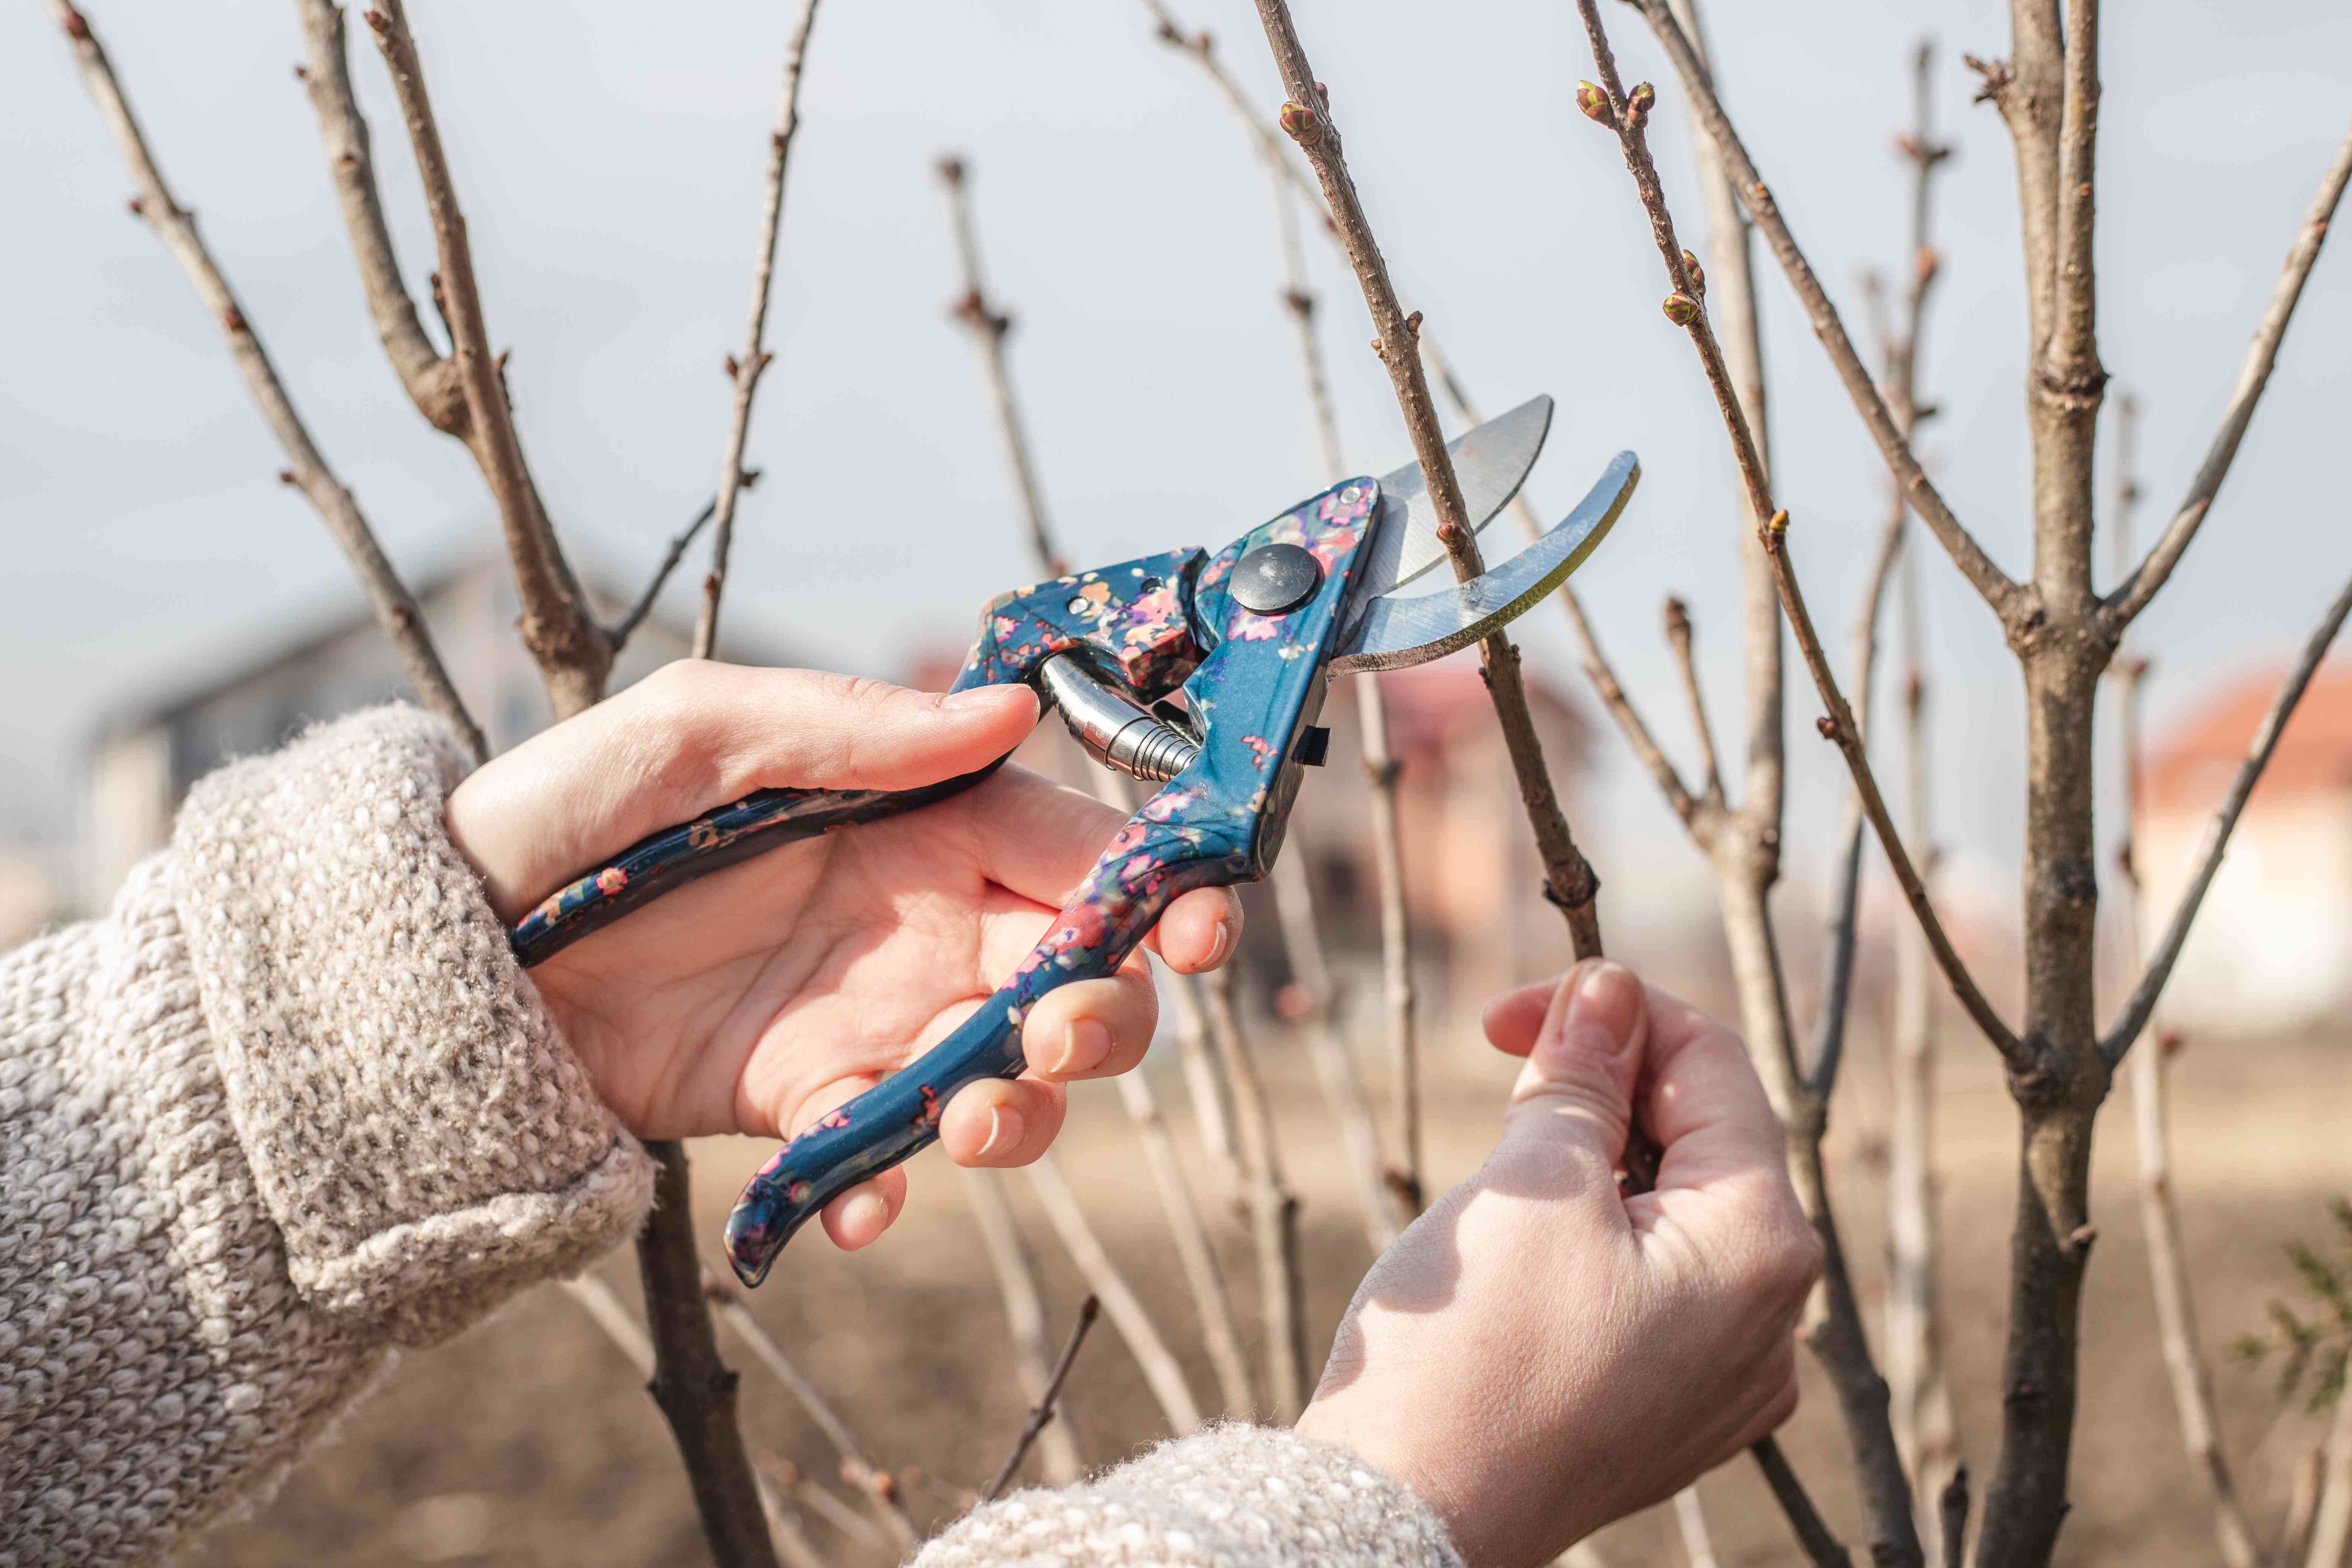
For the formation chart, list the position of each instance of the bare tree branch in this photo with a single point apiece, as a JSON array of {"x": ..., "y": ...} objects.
[
  {"x": 558, "y": 626},
  {"x": 396, "y": 610},
  {"x": 988, "y": 327},
  {"x": 1678, "y": 635},
  {"x": 1273, "y": 1207},
  {"x": 1162, "y": 1372},
  {"x": 2134, "y": 592},
  {"x": 871, "y": 1480},
  {"x": 2208, "y": 860},
  {"x": 2006, "y": 596},
  {"x": 1220, "y": 1336},
  {"x": 620, "y": 631},
  {"x": 1024, "y": 1309},
  {"x": 1043, "y": 1410},
  {"x": 694, "y": 1388},
  {"x": 429, "y": 377},
  {"x": 1819, "y": 1545},
  {"x": 1952, "y": 1508},
  {"x": 1569, "y": 879},
  {"x": 754, "y": 358},
  {"x": 2331, "y": 1529}
]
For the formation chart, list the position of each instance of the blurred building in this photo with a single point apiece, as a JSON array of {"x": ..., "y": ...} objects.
[
  {"x": 2271, "y": 947},
  {"x": 255, "y": 698}
]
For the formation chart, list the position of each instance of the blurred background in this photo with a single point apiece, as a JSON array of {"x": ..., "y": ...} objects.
[{"x": 171, "y": 603}]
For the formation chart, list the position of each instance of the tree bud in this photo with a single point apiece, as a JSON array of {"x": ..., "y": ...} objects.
[
  {"x": 1680, "y": 309},
  {"x": 1302, "y": 123},
  {"x": 1595, "y": 105},
  {"x": 1638, "y": 104},
  {"x": 1697, "y": 273}
]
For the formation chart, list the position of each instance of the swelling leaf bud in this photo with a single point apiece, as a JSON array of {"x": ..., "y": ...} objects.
[
  {"x": 1680, "y": 309},
  {"x": 1638, "y": 104},
  {"x": 1595, "y": 105},
  {"x": 1302, "y": 123},
  {"x": 1697, "y": 273}
]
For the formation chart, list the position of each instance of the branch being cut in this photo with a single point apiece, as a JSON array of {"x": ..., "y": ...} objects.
[
  {"x": 1569, "y": 879},
  {"x": 2134, "y": 592},
  {"x": 755, "y": 357},
  {"x": 2009, "y": 599},
  {"x": 1043, "y": 1410},
  {"x": 988, "y": 327},
  {"x": 396, "y": 609},
  {"x": 2208, "y": 860}
]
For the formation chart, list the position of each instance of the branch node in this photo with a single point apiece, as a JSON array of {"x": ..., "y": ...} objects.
[
  {"x": 77, "y": 26},
  {"x": 286, "y": 476},
  {"x": 2079, "y": 1239}
]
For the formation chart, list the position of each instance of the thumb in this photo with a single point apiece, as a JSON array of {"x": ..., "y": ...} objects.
[{"x": 1577, "y": 1088}]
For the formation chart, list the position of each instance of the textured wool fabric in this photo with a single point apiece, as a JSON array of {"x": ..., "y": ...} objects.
[
  {"x": 1226, "y": 1497},
  {"x": 288, "y": 1105}
]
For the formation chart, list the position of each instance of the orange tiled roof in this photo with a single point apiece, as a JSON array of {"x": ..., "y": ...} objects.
[{"x": 2190, "y": 767}]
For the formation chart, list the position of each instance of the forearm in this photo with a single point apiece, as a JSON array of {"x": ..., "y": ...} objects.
[{"x": 288, "y": 1105}]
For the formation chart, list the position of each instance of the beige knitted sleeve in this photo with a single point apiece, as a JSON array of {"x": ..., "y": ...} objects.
[
  {"x": 288, "y": 1104},
  {"x": 1226, "y": 1497}
]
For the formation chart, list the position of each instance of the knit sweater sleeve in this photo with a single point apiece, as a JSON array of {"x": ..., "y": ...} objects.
[
  {"x": 1227, "y": 1496},
  {"x": 288, "y": 1105}
]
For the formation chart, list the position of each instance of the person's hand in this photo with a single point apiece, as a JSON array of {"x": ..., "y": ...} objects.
[
  {"x": 758, "y": 998},
  {"x": 1536, "y": 1355}
]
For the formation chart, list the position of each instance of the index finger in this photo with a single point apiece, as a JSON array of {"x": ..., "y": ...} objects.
[{"x": 1704, "y": 1104}]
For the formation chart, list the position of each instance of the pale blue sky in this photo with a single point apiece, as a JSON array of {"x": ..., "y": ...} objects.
[{"x": 609, "y": 157}]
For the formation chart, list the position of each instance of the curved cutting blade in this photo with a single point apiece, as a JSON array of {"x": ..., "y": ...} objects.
[
  {"x": 1488, "y": 462},
  {"x": 1394, "y": 633}
]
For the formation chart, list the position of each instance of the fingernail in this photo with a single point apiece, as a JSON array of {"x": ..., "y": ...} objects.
[
  {"x": 864, "y": 1211},
  {"x": 1604, "y": 1009},
  {"x": 986, "y": 697},
  {"x": 1006, "y": 1126},
  {"x": 1085, "y": 1045},
  {"x": 1221, "y": 946}
]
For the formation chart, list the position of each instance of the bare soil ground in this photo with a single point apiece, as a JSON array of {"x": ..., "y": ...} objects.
[{"x": 529, "y": 1440}]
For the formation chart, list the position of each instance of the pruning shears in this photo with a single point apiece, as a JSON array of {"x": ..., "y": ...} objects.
[{"x": 1202, "y": 673}]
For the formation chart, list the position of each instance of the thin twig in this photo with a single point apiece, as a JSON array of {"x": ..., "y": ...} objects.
[
  {"x": 429, "y": 377},
  {"x": 1690, "y": 1523},
  {"x": 604, "y": 1309},
  {"x": 1840, "y": 727},
  {"x": 2006, "y": 596},
  {"x": 747, "y": 369},
  {"x": 1952, "y": 1513},
  {"x": 1273, "y": 1208},
  {"x": 1386, "y": 830},
  {"x": 2134, "y": 592},
  {"x": 872, "y": 1481},
  {"x": 988, "y": 327},
  {"x": 1024, "y": 1309},
  {"x": 1220, "y": 1336},
  {"x": 2208, "y": 859},
  {"x": 1678, "y": 637},
  {"x": 1811, "y": 1533},
  {"x": 396, "y": 609},
  {"x": 1162, "y": 1372},
  {"x": 1042, "y": 1412},
  {"x": 558, "y": 625},
  {"x": 2169, "y": 1285},
  {"x": 621, "y": 630}
]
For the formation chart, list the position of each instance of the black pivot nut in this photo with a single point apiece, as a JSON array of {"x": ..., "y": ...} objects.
[{"x": 1274, "y": 578}]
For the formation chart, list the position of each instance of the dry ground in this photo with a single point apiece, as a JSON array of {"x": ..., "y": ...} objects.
[{"x": 529, "y": 1440}]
